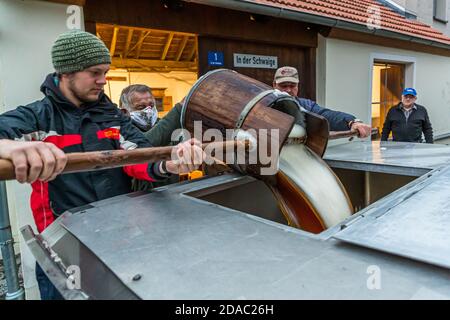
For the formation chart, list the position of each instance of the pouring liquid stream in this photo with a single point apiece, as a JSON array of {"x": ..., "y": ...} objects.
[{"x": 309, "y": 194}]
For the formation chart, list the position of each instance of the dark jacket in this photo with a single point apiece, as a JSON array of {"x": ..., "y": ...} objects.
[
  {"x": 338, "y": 121},
  {"x": 92, "y": 127},
  {"x": 161, "y": 133},
  {"x": 407, "y": 130},
  {"x": 158, "y": 136}
]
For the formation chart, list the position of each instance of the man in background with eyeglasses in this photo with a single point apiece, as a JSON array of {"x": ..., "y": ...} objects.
[{"x": 408, "y": 120}]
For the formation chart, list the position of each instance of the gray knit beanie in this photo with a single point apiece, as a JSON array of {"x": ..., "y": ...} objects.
[{"x": 77, "y": 50}]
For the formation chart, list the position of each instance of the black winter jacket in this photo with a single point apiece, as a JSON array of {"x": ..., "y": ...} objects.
[
  {"x": 407, "y": 130},
  {"x": 95, "y": 126}
]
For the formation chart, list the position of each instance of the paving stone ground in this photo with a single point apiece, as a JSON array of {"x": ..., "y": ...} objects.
[{"x": 3, "y": 288}]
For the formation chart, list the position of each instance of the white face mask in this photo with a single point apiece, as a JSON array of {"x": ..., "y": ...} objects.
[{"x": 145, "y": 118}]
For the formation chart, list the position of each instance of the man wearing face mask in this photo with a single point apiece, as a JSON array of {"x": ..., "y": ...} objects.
[{"x": 138, "y": 102}]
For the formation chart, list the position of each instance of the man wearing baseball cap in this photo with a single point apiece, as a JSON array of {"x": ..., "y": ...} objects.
[
  {"x": 408, "y": 120},
  {"x": 286, "y": 79},
  {"x": 76, "y": 116}
]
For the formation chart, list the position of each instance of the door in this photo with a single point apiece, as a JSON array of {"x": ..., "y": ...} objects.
[{"x": 387, "y": 85}]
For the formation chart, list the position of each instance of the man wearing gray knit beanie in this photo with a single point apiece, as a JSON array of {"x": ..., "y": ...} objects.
[
  {"x": 76, "y": 116},
  {"x": 81, "y": 61}
]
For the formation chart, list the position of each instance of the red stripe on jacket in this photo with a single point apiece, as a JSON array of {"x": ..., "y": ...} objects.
[
  {"x": 65, "y": 140},
  {"x": 40, "y": 205},
  {"x": 138, "y": 171},
  {"x": 40, "y": 200}
]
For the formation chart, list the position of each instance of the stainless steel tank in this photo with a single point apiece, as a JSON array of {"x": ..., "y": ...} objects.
[{"x": 223, "y": 237}]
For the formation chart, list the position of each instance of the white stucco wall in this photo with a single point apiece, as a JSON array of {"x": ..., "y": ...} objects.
[
  {"x": 27, "y": 31},
  {"x": 344, "y": 79}
]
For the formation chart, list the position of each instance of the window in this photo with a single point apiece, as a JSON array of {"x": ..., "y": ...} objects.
[{"x": 440, "y": 10}]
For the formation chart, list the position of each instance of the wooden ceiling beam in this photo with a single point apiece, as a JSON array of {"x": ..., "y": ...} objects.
[
  {"x": 181, "y": 48},
  {"x": 127, "y": 44},
  {"x": 142, "y": 37},
  {"x": 108, "y": 26},
  {"x": 193, "y": 52},
  {"x": 114, "y": 41},
  {"x": 146, "y": 63},
  {"x": 167, "y": 46}
]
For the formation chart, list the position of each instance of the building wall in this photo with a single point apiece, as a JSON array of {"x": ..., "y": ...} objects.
[
  {"x": 346, "y": 75},
  {"x": 28, "y": 29},
  {"x": 423, "y": 9}
]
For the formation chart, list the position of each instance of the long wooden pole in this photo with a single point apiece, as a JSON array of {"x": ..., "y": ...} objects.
[
  {"x": 347, "y": 134},
  {"x": 99, "y": 160},
  {"x": 342, "y": 134}
]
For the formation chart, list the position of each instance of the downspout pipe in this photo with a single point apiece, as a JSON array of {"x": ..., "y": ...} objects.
[
  {"x": 15, "y": 292},
  {"x": 258, "y": 8}
]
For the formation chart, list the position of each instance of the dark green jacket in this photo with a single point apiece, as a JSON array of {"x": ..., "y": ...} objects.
[{"x": 160, "y": 135}]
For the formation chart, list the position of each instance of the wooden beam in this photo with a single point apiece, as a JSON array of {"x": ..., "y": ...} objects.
[
  {"x": 181, "y": 48},
  {"x": 193, "y": 50},
  {"x": 114, "y": 41},
  {"x": 167, "y": 46},
  {"x": 127, "y": 44},
  {"x": 147, "y": 63},
  {"x": 143, "y": 35},
  {"x": 107, "y": 26},
  {"x": 75, "y": 2}
]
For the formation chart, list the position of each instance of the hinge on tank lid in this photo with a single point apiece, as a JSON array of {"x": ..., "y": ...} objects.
[{"x": 347, "y": 224}]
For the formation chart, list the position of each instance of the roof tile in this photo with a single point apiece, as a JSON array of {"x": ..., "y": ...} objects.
[{"x": 359, "y": 11}]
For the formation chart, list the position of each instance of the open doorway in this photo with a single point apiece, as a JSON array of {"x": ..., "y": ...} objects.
[
  {"x": 387, "y": 85},
  {"x": 166, "y": 61}
]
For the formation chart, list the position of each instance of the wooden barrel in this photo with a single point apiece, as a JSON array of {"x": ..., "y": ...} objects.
[{"x": 224, "y": 99}]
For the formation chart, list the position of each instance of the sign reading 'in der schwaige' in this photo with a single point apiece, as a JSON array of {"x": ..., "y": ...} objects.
[{"x": 255, "y": 61}]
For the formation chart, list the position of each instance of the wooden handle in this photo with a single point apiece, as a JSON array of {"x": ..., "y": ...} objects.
[
  {"x": 350, "y": 133},
  {"x": 99, "y": 160},
  {"x": 342, "y": 134}
]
